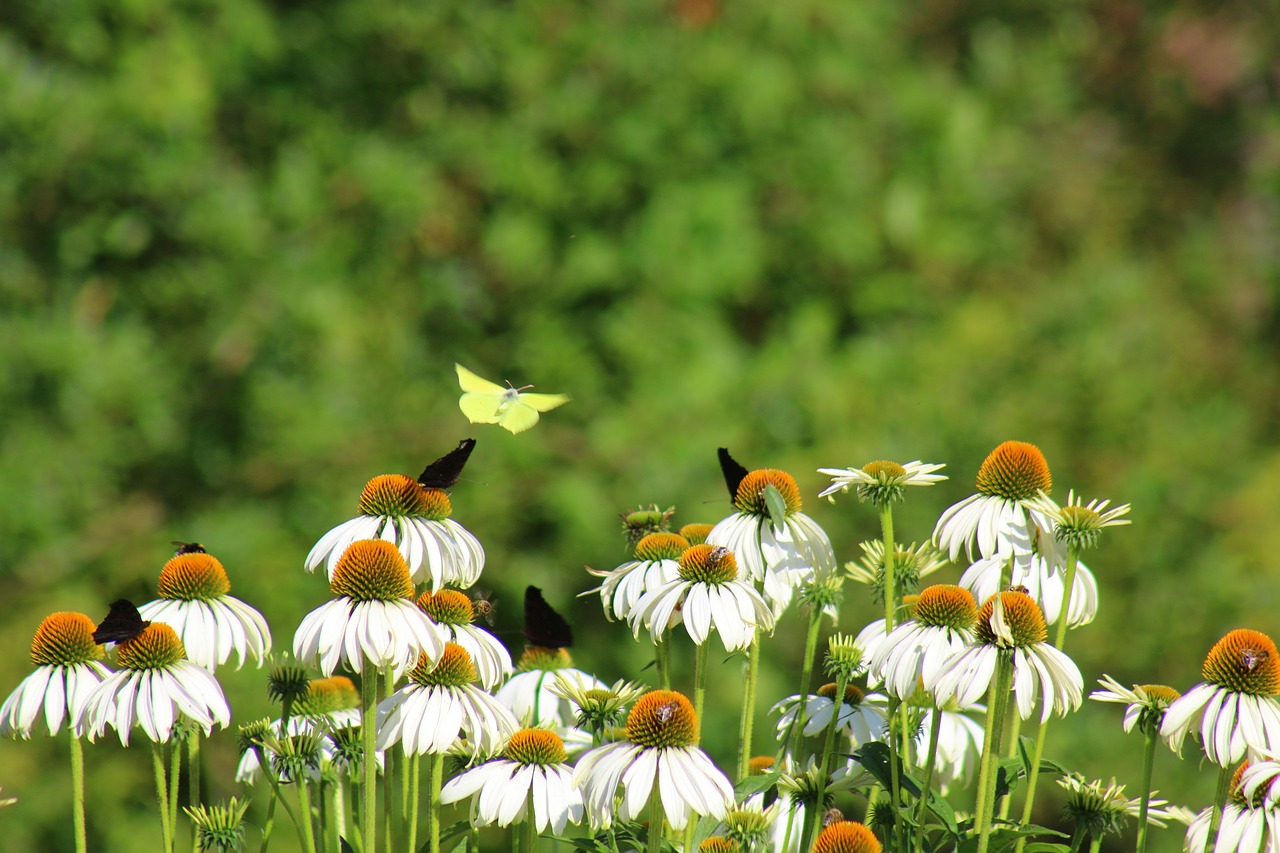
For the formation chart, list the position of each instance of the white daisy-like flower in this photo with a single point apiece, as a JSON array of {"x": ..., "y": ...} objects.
[
  {"x": 416, "y": 520},
  {"x": 374, "y": 619},
  {"x": 862, "y": 716},
  {"x": 1076, "y": 523},
  {"x": 439, "y": 705},
  {"x": 1235, "y": 707},
  {"x": 529, "y": 692},
  {"x": 1011, "y": 623},
  {"x": 881, "y": 482},
  {"x": 707, "y": 594},
  {"x": 869, "y": 641},
  {"x": 1104, "y": 809},
  {"x": 1250, "y": 820},
  {"x": 749, "y": 824},
  {"x": 68, "y": 668},
  {"x": 1146, "y": 703},
  {"x": 154, "y": 686},
  {"x": 999, "y": 516},
  {"x": 942, "y": 626},
  {"x": 655, "y": 564},
  {"x": 532, "y": 769},
  {"x": 1044, "y": 582},
  {"x": 911, "y": 563},
  {"x": 778, "y": 553},
  {"x": 455, "y": 613},
  {"x": 597, "y": 708},
  {"x": 661, "y": 733},
  {"x": 193, "y": 589}
]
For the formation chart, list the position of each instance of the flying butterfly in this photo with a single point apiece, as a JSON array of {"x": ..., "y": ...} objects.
[
  {"x": 485, "y": 402},
  {"x": 444, "y": 472},
  {"x": 124, "y": 622},
  {"x": 188, "y": 548},
  {"x": 542, "y": 625},
  {"x": 484, "y": 606}
]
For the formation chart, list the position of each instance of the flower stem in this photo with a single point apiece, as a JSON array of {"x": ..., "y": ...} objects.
[
  {"x": 1059, "y": 640},
  {"x": 162, "y": 795},
  {"x": 699, "y": 683},
  {"x": 415, "y": 778},
  {"x": 1148, "y": 762},
  {"x": 522, "y": 838},
  {"x": 304, "y": 807},
  {"x": 175, "y": 773},
  {"x": 748, "y": 707},
  {"x": 935, "y": 729},
  {"x": 806, "y": 674},
  {"x": 653, "y": 843},
  {"x": 890, "y": 588},
  {"x": 193, "y": 768},
  {"x": 997, "y": 699},
  {"x": 369, "y": 761},
  {"x": 662, "y": 662},
  {"x": 824, "y": 763},
  {"x": 435, "y": 778},
  {"x": 77, "y": 792},
  {"x": 1219, "y": 803},
  {"x": 896, "y": 716}
]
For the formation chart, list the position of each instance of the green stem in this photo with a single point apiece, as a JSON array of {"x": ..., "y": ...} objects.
[
  {"x": 890, "y": 588},
  {"x": 369, "y": 761},
  {"x": 304, "y": 807},
  {"x": 415, "y": 777},
  {"x": 653, "y": 842},
  {"x": 935, "y": 729},
  {"x": 662, "y": 662},
  {"x": 269, "y": 823},
  {"x": 435, "y": 777},
  {"x": 162, "y": 794},
  {"x": 1148, "y": 762},
  {"x": 1095, "y": 843},
  {"x": 997, "y": 699},
  {"x": 1059, "y": 641},
  {"x": 77, "y": 792},
  {"x": 522, "y": 838},
  {"x": 1011, "y": 744},
  {"x": 748, "y": 708},
  {"x": 895, "y": 780},
  {"x": 796, "y": 728},
  {"x": 1077, "y": 839},
  {"x": 824, "y": 764},
  {"x": 268, "y": 773},
  {"x": 175, "y": 773},
  {"x": 700, "y": 681},
  {"x": 193, "y": 768},
  {"x": 1219, "y": 803}
]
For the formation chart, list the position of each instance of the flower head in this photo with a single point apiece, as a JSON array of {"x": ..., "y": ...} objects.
[
  {"x": 532, "y": 768},
  {"x": 999, "y": 516},
  {"x": 68, "y": 668},
  {"x": 942, "y": 626},
  {"x": 439, "y": 704},
  {"x": 599, "y": 708},
  {"x": 396, "y": 508},
  {"x": 1077, "y": 524},
  {"x": 846, "y": 836},
  {"x": 645, "y": 521},
  {"x": 373, "y": 620},
  {"x": 881, "y": 482},
  {"x": 1105, "y": 810},
  {"x": 220, "y": 827},
  {"x": 862, "y": 716},
  {"x": 910, "y": 564},
  {"x": 661, "y": 737},
  {"x": 655, "y": 564},
  {"x": 1249, "y": 820},
  {"x": 1147, "y": 702},
  {"x": 455, "y": 612},
  {"x": 1011, "y": 624},
  {"x": 193, "y": 590},
  {"x": 154, "y": 687},
  {"x": 1236, "y": 704}
]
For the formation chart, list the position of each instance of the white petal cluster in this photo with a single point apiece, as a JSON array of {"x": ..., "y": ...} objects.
[
  {"x": 782, "y": 558},
  {"x": 154, "y": 699},
  {"x": 54, "y": 692},
  {"x": 504, "y": 787},
  {"x": 688, "y": 783},
  {"x": 1039, "y": 672},
  {"x": 430, "y": 718},
  {"x": 387, "y": 634},
  {"x": 210, "y": 630},
  {"x": 733, "y": 608},
  {"x": 438, "y": 552},
  {"x": 1230, "y": 723}
]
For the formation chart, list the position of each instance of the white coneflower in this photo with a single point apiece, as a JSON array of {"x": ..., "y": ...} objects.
[
  {"x": 397, "y": 509},
  {"x": 1000, "y": 516},
  {"x": 532, "y": 769},
  {"x": 1044, "y": 582},
  {"x": 439, "y": 706},
  {"x": 1146, "y": 703},
  {"x": 598, "y": 708},
  {"x": 1250, "y": 820},
  {"x": 655, "y": 564},
  {"x": 328, "y": 704},
  {"x": 658, "y": 758},
  {"x": 154, "y": 686},
  {"x": 779, "y": 553},
  {"x": 373, "y": 619},
  {"x": 862, "y": 716},
  {"x": 67, "y": 670},
  {"x": 707, "y": 594},
  {"x": 1076, "y": 523},
  {"x": 1235, "y": 707},
  {"x": 454, "y": 612},
  {"x": 1011, "y": 622},
  {"x": 881, "y": 482},
  {"x": 911, "y": 563},
  {"x": 193, "y": 589},
  {"x": 1104, "y": 810},
  {"x": 941, "y": 626},
  {"x": 529, "y": 692}
]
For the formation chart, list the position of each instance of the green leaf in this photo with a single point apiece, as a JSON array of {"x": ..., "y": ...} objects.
[{"x": 777, "y": 506}]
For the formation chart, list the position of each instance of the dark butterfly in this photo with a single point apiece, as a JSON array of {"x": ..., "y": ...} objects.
[
  {"x": 188, "y": 548},
  {"x": 124, "y": 622},
  {"x": 733, "y": 472},
  {"x": 444, "y": 472},
  {"x": 542, "y": 625}
]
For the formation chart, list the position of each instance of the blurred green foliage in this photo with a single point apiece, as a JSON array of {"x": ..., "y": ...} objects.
[{"x": 243, "y": 242}]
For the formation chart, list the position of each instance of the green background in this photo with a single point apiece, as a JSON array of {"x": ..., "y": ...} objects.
[{"x": 242, "y": 244}]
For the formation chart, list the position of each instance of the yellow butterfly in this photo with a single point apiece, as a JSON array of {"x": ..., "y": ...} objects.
[{"x": 485, "y": 402}]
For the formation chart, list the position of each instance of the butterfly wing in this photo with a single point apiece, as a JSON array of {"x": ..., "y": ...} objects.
[
  {"x": 444, "y": 472},
  {"x": 123, "y": 622},
  {"x": 481, "y": 398},
  {"x": 542, "y": 625},
  {"x": 733, "y": 472},
  {"x": 522, "y": 413}
]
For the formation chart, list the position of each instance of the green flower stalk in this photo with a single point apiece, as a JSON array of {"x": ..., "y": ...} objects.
[{"x": 219, "y": 828}]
